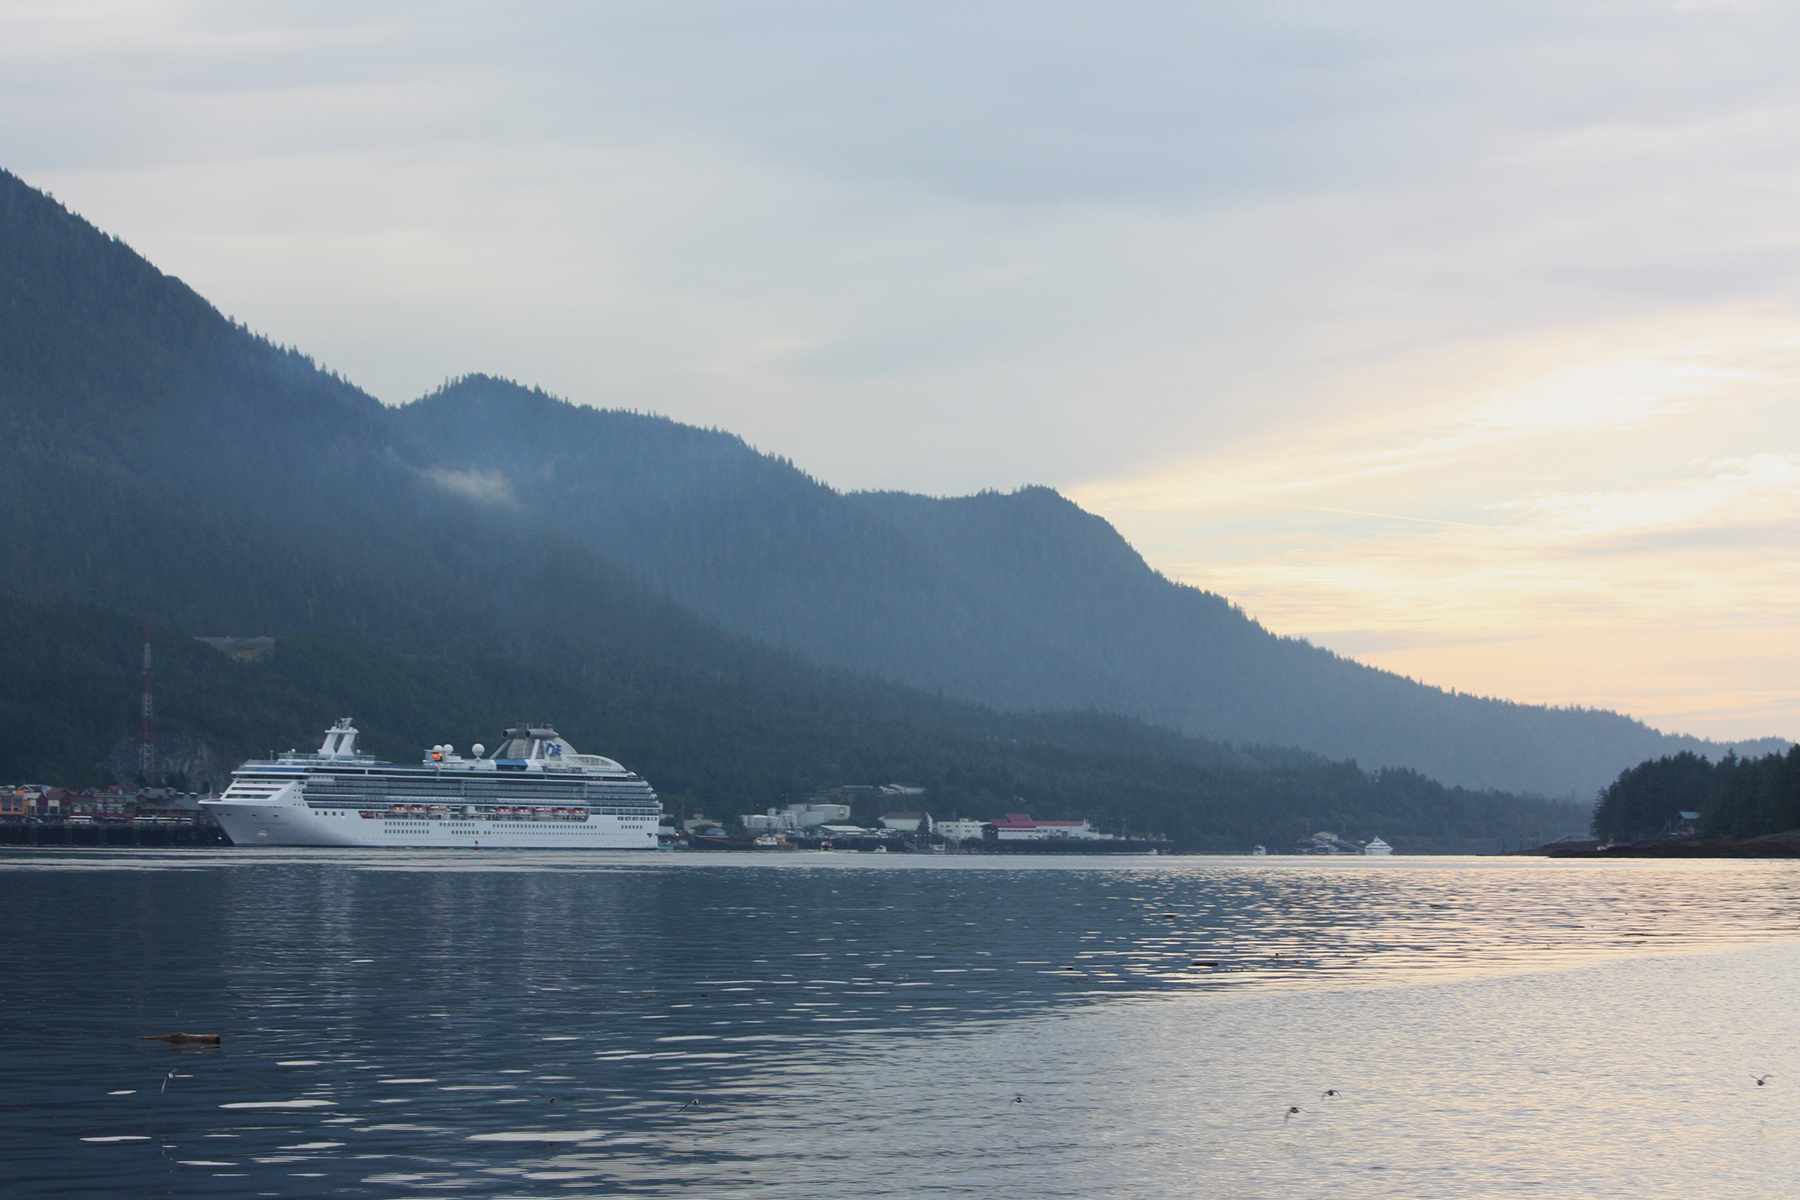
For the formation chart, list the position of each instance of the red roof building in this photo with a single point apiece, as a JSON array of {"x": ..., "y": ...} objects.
[{"x": 1018, "y": 827}]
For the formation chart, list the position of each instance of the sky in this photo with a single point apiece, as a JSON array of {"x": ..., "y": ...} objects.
[{"x": 1463, "y": 340}]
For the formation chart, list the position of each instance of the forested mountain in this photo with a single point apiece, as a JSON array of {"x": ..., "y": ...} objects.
[
  {"x": 1021, "y": 601},
  {"x": 156, "y": 460},
  {"x": 666, "y": 592}
]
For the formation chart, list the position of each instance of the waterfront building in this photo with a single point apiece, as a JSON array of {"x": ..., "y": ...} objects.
[
  {"x": 959, "y": 830},
  {"x": 795, "y": 817},
  {"x": 1020, "y": 827}
]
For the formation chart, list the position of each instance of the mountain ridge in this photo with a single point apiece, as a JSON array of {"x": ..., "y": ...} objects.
[
  {"x": 1020, "y": 600},
  {"x": 160, "y": 463},
  {"x": 161, "y": 460}
]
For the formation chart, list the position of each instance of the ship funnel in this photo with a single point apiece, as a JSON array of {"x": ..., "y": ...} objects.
[{"x": 340, "y": 740}]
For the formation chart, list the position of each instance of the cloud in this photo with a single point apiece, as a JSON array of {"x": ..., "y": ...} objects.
[
  {"x": 1762, "y": 492},
  {"x": 1676, "y": 602},
  {"x": 486, "y": 487},
  {"x": 1607, "y": 396},
  {"x": 1711, "y": 546},
  {"x": 939, "y": 247},
  {"x": 1588, "y": 403}
]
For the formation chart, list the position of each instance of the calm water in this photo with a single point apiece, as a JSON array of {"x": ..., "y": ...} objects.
[{"x": 542, "y": 1024}]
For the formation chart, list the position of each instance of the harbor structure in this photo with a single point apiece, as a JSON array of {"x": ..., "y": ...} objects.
[
  {"x": 959, "y": 829},
  {"x": 795, "y": 817},
  {"x": 1020, "y": 827}
]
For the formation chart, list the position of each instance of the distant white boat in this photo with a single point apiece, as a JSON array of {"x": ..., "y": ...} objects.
[
  {"x": 1258, "y": 851},
  {"x": 1377, "y": 846}
]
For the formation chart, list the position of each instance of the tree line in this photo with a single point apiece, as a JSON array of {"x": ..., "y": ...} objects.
[
  {"x": 722, "y": 742},
  {"x": 1734, "y": 797}
]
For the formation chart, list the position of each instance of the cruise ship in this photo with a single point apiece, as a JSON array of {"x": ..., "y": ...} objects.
[{"x": 534, "y": 791}]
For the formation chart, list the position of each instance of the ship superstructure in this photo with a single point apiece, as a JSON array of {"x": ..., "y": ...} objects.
[{"x": 535, "y": 790}]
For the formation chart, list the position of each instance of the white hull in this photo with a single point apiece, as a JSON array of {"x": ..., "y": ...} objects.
[
  {"x": 540, "y": 795},
  {"x": 278, "y": 822}
]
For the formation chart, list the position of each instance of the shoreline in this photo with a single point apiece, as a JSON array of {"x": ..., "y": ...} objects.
[{"x": 1773, "y": 845}]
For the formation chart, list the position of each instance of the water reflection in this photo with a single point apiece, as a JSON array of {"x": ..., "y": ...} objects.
[{"x": 410, "y": 1023}]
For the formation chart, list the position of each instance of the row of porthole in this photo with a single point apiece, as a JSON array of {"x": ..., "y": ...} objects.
[
  {"x": 547, "y": 820},
  {"x": 532, "y": 825}
]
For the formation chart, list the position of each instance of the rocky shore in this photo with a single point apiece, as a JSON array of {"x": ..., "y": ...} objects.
[{"x": 1774, "y": 845}]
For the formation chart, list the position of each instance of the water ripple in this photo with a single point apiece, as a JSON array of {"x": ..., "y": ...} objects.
[{"x": 401, "y": 1023}]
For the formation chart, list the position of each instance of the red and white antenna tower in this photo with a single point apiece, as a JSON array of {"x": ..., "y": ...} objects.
[{"x": 147, "y": 739}]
